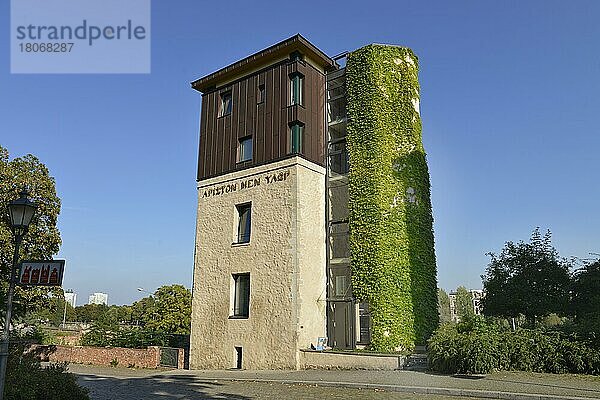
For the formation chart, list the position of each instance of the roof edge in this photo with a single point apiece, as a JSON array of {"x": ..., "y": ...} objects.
[{"x": 247, "y": 63}]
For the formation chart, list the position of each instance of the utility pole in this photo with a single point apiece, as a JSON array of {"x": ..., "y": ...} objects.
[{"x": 65, "y": 316}]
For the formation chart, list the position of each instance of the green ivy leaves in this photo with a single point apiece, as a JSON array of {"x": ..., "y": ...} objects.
[{"x": 391, "y": 234}]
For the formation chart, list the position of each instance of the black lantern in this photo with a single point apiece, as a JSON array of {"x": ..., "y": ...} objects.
[{"x": 21, "y": 212}]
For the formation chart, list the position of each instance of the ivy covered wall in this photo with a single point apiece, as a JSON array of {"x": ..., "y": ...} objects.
[{"x": 391, "y": 225}]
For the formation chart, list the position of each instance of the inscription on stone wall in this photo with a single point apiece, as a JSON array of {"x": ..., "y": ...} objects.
[{"x": 246, "y": 183}]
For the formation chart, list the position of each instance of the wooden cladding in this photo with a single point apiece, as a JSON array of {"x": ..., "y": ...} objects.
[{"x": 267, "y": 119}]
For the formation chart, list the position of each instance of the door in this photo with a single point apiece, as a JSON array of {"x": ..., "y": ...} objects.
[
  {"x": 340, "y": 310},
  {"x": 341, "y": 324}
]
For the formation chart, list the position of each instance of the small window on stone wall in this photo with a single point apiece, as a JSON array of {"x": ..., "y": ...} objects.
[
  {"x": 241, "y": 295},
  {"x": 244, "y": 222}
]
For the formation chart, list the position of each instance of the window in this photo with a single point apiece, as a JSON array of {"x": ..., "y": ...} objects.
[
  {"x": 339, "y": 238},
  {"x": 260, "y": 96},
  {"x": 296, "y": 88},
  {"x": 241, "y": 295},
  {"x": 244, "y": 223},
  {"x": 296, "y": 56},
  {"x": 341, "y": 286},
  {"x": 226, "y": 104},
  {"x": 296, "y": 133},
  {"x": 339, "y": 161},
  {"x": 238, "y": 357},
  {"x": 245, "y": 149}
]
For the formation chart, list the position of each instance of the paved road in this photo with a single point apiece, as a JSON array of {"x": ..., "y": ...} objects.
[
  {"x": 155, "y": 386},
  {"x": 155, "y": 389},
  {"x": 121, "y": 383}
]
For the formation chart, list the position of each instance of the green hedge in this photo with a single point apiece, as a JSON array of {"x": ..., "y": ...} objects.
[
  {"x": 135, "y": 338},
  {"x": 26, "y": 379},
  {"x": 391, "y": 234},
  {"x": 479, "y": 347}
]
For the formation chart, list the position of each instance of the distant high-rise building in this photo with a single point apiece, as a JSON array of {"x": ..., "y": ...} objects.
[
  {"x": 476, "y": 296},
  {"x": 71, "y": 297},
  {"x": 98, "y": 298}
]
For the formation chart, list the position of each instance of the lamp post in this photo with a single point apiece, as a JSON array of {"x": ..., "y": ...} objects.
[
  {"x": 21, "y": 212},
  {"x": 65, "y": 316},
  {"x": 141, "y": 289}
]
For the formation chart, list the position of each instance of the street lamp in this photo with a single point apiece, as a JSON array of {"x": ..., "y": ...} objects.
[
  {"x": 21, "y": 213},
  {"x": 141, "y": 289}
]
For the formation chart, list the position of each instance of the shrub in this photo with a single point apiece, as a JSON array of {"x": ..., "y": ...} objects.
[
  {"x": 26, "y": 379},
  {"x": 139, "y": 338},
  {"x": 480, "y": 346},
  {"x": 115, "y": 336}
]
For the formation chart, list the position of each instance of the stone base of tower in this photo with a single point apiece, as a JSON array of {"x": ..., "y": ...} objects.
[{"x": 284, "y": 260}]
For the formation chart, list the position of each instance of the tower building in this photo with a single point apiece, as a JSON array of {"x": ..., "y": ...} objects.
[
  {"x": 71, "y": 297},
  {"x": 98, "y": 298},
  {"x": 314, "y": 217}
]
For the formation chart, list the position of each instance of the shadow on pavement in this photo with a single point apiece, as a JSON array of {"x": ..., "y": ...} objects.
[
  {"x": 581, "y": 389},
  {"x": 154, "y": 388}
]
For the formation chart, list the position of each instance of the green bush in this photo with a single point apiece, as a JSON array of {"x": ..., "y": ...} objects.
[
  {"x": 26, "y": 379},
  {"x": 479, "y": 346},
  {"x": 115, "y": 336},
  {"x": 140, "y": 338}
]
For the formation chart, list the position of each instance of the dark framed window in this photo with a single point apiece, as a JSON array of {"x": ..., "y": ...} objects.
[
  {"x": 296, "y": 89},
  {"x": 241, "y": 295},
  {"x": 245, "y": 149},
  {"x": 296, "y": 137},
  {"x": 339, "y": 160},
  {"x": 260, "y": 95},
  {"x": 296, "y": 56},
  {"x": 244, "y": 222},
  {"x": 226, "y": 104},
  {"x": 341, "y": 284}
]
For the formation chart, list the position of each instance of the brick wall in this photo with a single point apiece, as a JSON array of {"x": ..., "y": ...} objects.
[{"x": 139, "y": 358}]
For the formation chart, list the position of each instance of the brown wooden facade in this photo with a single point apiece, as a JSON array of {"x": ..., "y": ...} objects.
[{"x": 268, "y": 121}]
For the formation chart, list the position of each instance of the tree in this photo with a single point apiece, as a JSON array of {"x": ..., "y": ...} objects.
[
  {"x": 53, "y": 312},
  {"x": 464, "y": 303},
  {"x": 585, "y": 303},
  {"x": 141, "y": 309},
  {"x": 103, "y": 330},
  {"x": 526, "y": 278},
  {"x": 444, "y": 306},
  {"x": 171, "y": 310},
  {"x": 120, "y": 313},
  {"x": 43, "y": 239},
  {"x": 90, "y": 312}
]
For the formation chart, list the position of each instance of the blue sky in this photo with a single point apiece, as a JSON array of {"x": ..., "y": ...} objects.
[{"x": 509, "y": 101}]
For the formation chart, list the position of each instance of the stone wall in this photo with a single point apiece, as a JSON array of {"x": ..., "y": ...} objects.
[
  {"x": 285, "y": 259},
  {"x": 350, "y": 361},
  {"x": 310, "y": 252},
  {"x": 138, "y": 358}
]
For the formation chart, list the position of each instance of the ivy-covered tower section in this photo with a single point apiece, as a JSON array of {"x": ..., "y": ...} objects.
[{"x": 390, "y": 221}]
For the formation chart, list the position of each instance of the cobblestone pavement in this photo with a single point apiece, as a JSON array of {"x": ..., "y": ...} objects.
[
  {"x": 152, "y": 388},
  {"x": 121, "y": 383}
]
